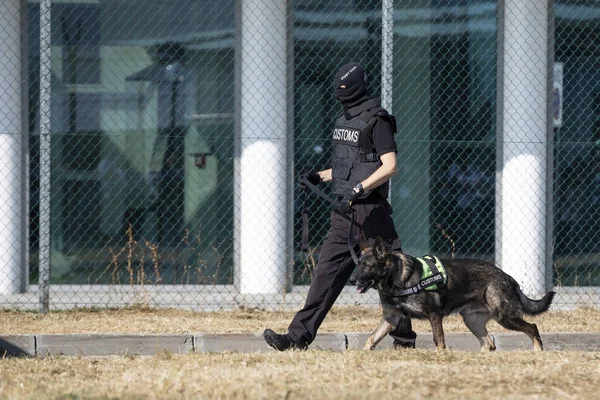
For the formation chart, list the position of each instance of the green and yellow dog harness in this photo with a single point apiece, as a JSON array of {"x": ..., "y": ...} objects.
[{"x": 434, "y": 277}]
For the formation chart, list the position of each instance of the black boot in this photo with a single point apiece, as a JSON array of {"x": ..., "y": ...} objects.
[{"x": 282, "y": 342}]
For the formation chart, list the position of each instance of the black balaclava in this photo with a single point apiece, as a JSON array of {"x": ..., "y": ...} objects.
[{"x": 350, "y": 85}]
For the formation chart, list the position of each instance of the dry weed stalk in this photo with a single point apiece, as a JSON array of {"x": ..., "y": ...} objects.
[
  {"x": 132, "y": 259},
  {"x": 310, "y": 263},
  {"x": 447, "y": 236}
]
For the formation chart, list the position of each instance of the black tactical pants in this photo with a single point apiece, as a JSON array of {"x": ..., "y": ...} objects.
[{"x": 336, "y": 265}]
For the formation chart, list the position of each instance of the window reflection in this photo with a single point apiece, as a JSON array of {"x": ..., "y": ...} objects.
[{"x": 137, "y": 98}]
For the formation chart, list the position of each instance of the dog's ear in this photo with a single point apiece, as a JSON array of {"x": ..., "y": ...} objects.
[
  {"x": 404, "y": 270},
  {"x": 379, "y": 250},
  {"x": 362, "y": 242}
]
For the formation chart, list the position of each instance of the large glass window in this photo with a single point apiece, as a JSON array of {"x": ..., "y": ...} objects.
[
  {"x": 576, "y": 245},
  {"x": 444, "y": 88},
  {"x": 463, "y": 93},
  {"x": 444, "y": 100},
  {"x": 142, "y": 140}
]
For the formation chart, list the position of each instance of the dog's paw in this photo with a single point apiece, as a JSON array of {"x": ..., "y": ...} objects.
[{"x": 369, "y": 345}]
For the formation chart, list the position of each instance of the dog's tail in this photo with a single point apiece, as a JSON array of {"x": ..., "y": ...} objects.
[{"x": 535, "y": 307}]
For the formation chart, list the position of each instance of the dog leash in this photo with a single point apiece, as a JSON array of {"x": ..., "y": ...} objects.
[{"x": 324, "y": 196}]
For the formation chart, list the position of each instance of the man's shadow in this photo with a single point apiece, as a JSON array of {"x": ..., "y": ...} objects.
[{"x": 8, "y": 349}]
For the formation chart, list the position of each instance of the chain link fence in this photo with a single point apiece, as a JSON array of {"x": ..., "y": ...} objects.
[{"x": 153, "y": 147}]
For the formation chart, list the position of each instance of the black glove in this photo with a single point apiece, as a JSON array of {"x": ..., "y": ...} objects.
[
  {"x": 348, "y": 200},
  {"x": 312, "y": 177}
]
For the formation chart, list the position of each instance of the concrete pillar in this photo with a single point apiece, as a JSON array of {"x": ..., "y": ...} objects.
[
  {"x": 12, "y": 177},
  {"x": 523, "y": 125},
  {"x": 261, "y": 185}
]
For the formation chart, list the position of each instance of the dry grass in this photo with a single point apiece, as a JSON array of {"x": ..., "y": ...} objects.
[
  {"x": 313, "y": 374},
  {"x": 340, "y": 319},
  {"x": 406, "y": 374}
]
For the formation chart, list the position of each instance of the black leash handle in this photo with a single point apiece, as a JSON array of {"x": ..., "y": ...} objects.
[
  {"x": 350, "y": 246},
  {"x": 304, "y": 245},
  {"x": 318, "y": 191},
  {"x": 324, "y": 196}
]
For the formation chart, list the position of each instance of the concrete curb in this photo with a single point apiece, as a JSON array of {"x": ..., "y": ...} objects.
[
  {"x": 17, "y": 345},
  {"x": 508, "y": 341},
  {"x": 254, "y": 343},
  {"x": 123, "y": 344},
  {"x": 106, "y": 345}
]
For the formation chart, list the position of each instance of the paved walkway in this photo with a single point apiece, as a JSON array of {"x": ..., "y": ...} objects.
[{"x": 120, "y": 344}]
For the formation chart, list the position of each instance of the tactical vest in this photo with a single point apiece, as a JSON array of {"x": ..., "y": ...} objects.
[{"x": 354, "y": 158}]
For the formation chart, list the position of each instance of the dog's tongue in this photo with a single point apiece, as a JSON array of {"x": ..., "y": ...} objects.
[{"x": 360, "y": 289}]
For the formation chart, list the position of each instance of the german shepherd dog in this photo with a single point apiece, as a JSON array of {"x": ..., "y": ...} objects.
[{"x": 477, "y": 290}]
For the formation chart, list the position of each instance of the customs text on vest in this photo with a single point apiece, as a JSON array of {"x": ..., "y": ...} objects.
[{"x": 354, "y": 158}]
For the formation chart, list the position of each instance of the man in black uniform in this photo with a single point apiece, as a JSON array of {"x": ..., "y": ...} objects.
[{"x": 364, "y": 159}]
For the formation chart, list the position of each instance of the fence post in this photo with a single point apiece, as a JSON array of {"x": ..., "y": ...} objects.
[
  {"x": 387, "y": 60},
  {"x": 522, "y": 142},
  {"x": 13, "y": 249},
  {"x": 45, "y": 159},
  {"x": 387, "y": 53},
  {"x": 261, "y": 193}
]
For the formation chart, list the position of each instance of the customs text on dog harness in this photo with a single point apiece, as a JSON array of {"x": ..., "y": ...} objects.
[{"x": 434, "y": 278}]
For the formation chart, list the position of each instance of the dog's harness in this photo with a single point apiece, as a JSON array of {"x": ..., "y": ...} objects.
[
  {"x": 434, "y": 278},
  {"x": 323, "y": 195}
]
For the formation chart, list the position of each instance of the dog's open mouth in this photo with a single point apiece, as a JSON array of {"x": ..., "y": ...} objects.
[{"x": 363, "y": 287}]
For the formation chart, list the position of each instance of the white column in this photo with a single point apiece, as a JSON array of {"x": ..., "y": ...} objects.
[
  {"x": 12, "y": 182},
  {"x": 522, "y": 140},
  {"x": 261, "y": 174}
]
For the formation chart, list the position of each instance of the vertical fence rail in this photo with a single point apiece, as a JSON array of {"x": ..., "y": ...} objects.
[
  {"x": 387, "y": 57},
  {"x": 387, "y": 53},
  {"x": 45, "y": 155}
]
